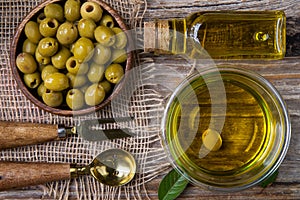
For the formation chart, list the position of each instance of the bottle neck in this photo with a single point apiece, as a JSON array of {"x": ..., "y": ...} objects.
[{"x": 165, "y": 36}]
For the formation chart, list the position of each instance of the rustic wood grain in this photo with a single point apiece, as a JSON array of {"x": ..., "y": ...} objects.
[
  {"x": 284, "y": 74},
  {"x": 165, "y": 9},
  {"x": 16, "y": 175},
  {"x": 21, "y": 134}
]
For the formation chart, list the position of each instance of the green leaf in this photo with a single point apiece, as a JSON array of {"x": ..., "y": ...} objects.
[
  {"x": 269, "y": 180},
  {"x": 171, "y": 186}
]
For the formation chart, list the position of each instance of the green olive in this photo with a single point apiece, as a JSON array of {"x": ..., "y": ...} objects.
[
  {"x": 119, "y": 56},
  {"x": 102, "y": 54},
  {"x": 48, "y": 46},
  {"x": 48, "y": 27},
  {"x": 42, "y": 60},
  {"x": 212, "y": 140},
  {"x": 104, "y": 36},
  {"x": 72, "y": 10},
  {"x": 52, "y": 98},
  {"x": 106, "y": 86},
  {"x": 107, "y": 20},
  {"x": 49, "y": 69},
  {"x": 86, "y": 28},
  {"x": 75, "y": 99},
  {"x": 76, "y": 81},
  {"x": 114, "y": 73},
  {"x": 83, "y": 49},
  {"x": 26, "y": 63},
  {"x": 75, "y": 67},
  {"x": 121, "y": 38},
  {"x": 67, "y": 33},
  {"x": 32, "y": 80},
  {"x": 91, "y": 10},
  {"x": 40, "y": 17},
  {"x": 54, "y": 10},
  {"x": 96, "y": 73},
  {"x": 29, "y": 47},
  {"x": 41, "y": 89},
  {"x": 56, "y": 81},
  {"x": 32, "y": 32},
  {"x": 94, "y": 94},
  {"x": 60, "y": 58}
]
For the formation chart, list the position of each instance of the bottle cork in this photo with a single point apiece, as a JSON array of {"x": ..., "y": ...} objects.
[
  {"x": 149, "y": 36},
  {"x": 157, "y": 37}
]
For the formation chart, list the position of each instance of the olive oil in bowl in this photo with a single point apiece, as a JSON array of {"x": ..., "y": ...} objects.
[{"x": 226, "y": 129}]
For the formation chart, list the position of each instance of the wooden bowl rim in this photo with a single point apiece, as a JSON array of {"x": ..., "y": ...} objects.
[{"x": 34, "y": 99}]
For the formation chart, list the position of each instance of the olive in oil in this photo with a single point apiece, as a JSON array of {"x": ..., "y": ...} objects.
[
  {"x": 241, "y": 120},
  {"x": 223, "y": 34}
]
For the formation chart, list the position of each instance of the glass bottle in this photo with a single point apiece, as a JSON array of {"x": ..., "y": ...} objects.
[{"x": 223, "y": 34}]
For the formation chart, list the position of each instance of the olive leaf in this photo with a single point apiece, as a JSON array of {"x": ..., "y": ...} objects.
[
  {"x": 171, "y": 186},
  {"x": 269, "y": 180}
]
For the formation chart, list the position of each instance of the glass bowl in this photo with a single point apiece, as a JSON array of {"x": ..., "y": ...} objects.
[{"x": 226, "y": 129}]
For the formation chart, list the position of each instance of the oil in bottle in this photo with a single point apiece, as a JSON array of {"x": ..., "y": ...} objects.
[{"x": 223, "y": 34}]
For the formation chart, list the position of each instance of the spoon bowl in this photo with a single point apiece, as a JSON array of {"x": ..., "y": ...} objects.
[{"x": 114, "y": 167}]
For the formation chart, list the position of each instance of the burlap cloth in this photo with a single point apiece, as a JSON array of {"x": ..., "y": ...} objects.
[{"x": 146, "y": 106}]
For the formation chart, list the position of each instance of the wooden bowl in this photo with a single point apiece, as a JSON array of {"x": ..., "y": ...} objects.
[{"x": 16, "y": 48}]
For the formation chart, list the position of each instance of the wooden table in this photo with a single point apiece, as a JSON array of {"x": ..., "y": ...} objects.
[{"x": 284, "y": 74}]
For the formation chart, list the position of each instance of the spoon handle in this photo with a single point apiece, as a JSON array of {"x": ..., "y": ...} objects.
[
  {"x": 14, "y": 134},
  {"x": 16, "y": 174}
]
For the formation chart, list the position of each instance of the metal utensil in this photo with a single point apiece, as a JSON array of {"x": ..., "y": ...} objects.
[
  {"x": 14, "y": 134},
  {"x": 114, "y": 167}
]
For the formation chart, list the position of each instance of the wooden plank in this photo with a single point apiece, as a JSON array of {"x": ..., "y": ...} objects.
[
  {"x": 283, "y": 74},
  {"x": 167, "y": 9}
]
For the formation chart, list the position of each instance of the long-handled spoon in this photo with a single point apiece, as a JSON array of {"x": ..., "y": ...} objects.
[
  {"x": 15, "y": 134},
  {"x": 114, "y": 167}
]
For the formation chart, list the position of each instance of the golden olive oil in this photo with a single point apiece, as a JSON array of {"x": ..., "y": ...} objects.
[
  {"x": 223, "y": 34},
  {"x": 238, "y": 113}
]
